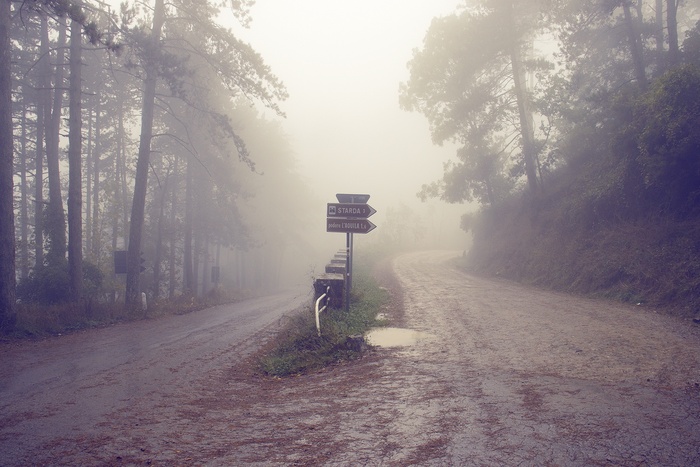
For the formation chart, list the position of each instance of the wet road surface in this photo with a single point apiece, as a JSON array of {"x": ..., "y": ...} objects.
[
  {"x": 502, "y": 375},
  {"x": 69, "y": 388}
]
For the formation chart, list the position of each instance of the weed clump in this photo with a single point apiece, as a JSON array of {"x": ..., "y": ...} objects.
[{"x": 298, "y": 348}]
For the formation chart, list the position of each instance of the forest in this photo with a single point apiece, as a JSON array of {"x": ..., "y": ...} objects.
[
  {"x": 139, "y": 137},
  {"x": 578, "y": 123},
  {"x": 133, "y": 141}
]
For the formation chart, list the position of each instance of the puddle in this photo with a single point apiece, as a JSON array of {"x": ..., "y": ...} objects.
[{"x": 394, "y": 337}]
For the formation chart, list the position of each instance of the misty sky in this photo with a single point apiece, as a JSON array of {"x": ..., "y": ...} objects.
[{"x": 342, "y": 63}]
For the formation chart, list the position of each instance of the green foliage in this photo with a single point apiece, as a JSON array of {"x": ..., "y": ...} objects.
[
  {"x": 653, "y": 260},
  {"x": 691, "y": 45},
  {"x": 41, "y": 319},
  {"x": 668, "y": 126},
  {"x": 298, "y": 348},
  {"x": 50, "y": 284},
  {"x": 35, "y": 319},
  {"x": 93, "y": 280},
  {"x": 47, "y": 285},
  {"x": 621, "y": 218},
  {"x": 465, "y": 80}
]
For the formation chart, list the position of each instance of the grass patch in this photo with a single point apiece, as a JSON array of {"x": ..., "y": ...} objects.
[
  {"x": 652, "y": 259},
  {"x": 38, "y": 320},
  {"x": 298, "y": 348}
]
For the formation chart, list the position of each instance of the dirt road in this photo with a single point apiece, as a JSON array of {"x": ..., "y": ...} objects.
[
  {"x": 505, "y": 375},
  {"x": 60, "y": 396}
]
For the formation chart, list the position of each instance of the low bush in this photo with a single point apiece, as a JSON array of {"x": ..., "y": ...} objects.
[{"x": 37, "y": 318}]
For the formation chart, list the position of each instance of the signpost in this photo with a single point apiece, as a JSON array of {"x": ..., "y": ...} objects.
[{"x": 349, "y": 215}]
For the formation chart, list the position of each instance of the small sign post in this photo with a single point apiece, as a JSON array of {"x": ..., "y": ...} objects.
[{"x": 349, "y": 215}]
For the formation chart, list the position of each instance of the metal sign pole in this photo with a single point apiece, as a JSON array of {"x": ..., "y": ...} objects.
[
  {"x": 348, "y": 266},
  {"x": 352, "y": 248}
]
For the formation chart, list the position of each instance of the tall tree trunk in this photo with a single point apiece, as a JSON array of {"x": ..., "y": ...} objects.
[
  {"x": 23, "y": 203},
  {"x": 196, "y": 257},
  {"x": 117, "y": 206},
  {"x": 158, "y": 255},
  {"x": 172, "y": 282},
  {"x": 238, "y": 269},
  {"x": 56, "y": 219},
  {"x": 188, "y": 284},
  {"x": 116, "y": 210},
  {"x": 121, "y": 186},
  {"x": 489, "y": 192},
  {"x": 75, "y": 177},
  {"x": 7, "y": 215},
  {"x": 141, "y": 180},
  {"x": 659, "y": 35},
  {"x": 672, "y": 25},
  {"x": 206, "y": 265},
  {"x": 635, "y": 45},
  {"x": 88, "y": 184},
  {"x": 39, "y": 191},
  {"x": 96, "y": 229},
  {"x": 526, "y": 129},
  {"x": 42, "y": 119}
]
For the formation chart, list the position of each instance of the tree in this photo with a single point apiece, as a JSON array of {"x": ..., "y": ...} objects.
[
  {"x": 133, "y": 264},
  {"x": 469, "y": 82},
  {"x": 635, "y": 44},
  {"x": 7, "y": 220},
  {"x": 672, "y": 25},
  {"x": 75, "y": 192},
  {"x": 191, "y": 35},
  {"x": 55, "y": 214},
  {"x": 7, "y": 241},
  {"x": 668, "y": 129}
]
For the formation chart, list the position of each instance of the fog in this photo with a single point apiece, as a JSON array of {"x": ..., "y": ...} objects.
[
  {"x": 342, "y": 64},
  {"x": 236, "y": 179}
]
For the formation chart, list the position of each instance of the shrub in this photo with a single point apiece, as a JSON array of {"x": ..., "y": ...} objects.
[{"x": 47, "y": 285}]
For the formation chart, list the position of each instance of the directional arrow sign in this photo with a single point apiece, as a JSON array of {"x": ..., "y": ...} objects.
[
  {"x": 350, "y": 210},
  {"x": 351, "y": 198},
  {"x": 361, "y": 226}
]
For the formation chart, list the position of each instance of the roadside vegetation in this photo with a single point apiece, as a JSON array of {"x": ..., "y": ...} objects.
[
  {"x": 41, "y": 314},
  {"x": 298, "y": 349},
  {"x": 37, "y": 319},
  {"x": 621, "y": 218},
  {"x": 584, "y": 157},
  {"x": 183, "y": 198}
]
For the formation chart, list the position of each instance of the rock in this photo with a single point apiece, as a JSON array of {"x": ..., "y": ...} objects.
[{"x": 356, "y": 343}]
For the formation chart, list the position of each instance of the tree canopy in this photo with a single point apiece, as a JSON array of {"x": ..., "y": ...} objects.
[
  {"x": 174, "y": 195},
  {"x": 515, "y": 83}
]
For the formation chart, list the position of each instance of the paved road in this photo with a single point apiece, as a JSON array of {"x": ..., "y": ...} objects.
[{"x": 68, "y": 387}]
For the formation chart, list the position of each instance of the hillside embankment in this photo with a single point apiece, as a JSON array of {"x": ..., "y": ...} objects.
[{"x": 650, "y": 261}]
